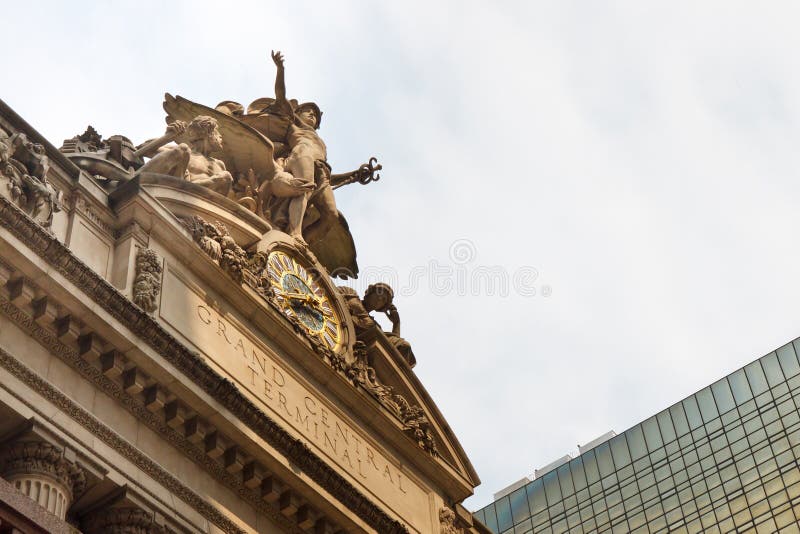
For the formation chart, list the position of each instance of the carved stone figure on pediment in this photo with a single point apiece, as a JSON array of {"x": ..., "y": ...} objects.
[
  {"x": 280, "y": 172},
  {"x": 24, "y": 166},
  {"x": 191, "y": 158},
  {"x": 378, "y": 297}
]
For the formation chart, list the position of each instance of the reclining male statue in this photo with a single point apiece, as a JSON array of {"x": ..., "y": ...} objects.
[{"x": 189, "y": 159}]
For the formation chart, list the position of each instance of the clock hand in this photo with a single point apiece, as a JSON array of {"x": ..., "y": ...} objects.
[{"x": 306, "y": 298}]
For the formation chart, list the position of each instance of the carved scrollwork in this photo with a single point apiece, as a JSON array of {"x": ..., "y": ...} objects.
[{"x": 415, "y": 422}]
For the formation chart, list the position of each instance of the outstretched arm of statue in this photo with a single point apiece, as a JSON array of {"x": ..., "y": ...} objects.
[
  {"x": 280, "y": 84},
  {"x": 394, "y": 317},
  {"x": 149, "y": 148}
]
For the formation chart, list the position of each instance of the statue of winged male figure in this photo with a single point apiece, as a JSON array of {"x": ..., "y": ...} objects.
[{"x": 279, "y": 166}]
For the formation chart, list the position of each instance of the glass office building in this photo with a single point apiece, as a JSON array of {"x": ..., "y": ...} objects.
[{"x": 722, "y": 460}]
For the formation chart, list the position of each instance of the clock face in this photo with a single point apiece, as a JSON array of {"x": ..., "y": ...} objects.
[{"x": 301, "y": 297}]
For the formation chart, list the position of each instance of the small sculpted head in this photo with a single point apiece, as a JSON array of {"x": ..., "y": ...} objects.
[
  {"x": 205, "y": 128},
  {"x": 378, "y": 297},
  {"x": 309, "y": 114}
]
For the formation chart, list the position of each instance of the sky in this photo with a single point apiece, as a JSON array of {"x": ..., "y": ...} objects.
[{"x": 625, "y": 174}]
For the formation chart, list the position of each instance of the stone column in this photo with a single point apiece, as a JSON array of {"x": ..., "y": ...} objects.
[
  {"x": 122, "y": 520},
  {"x": 40, "y": 471}
]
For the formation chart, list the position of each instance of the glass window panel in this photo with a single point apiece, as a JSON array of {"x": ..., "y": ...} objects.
[
  {"x": 772, "y": 369},
  {"x": 604, "y": 461},
  {"x": 756, "y": 378},
  {"x": 679, "y": 419},
  {"x": 619, "y": 450},
  {"x": 665, "y": 424},
  {"x": 636, "y": 442},
  {"x": 491, "y": 518},
  {"x": 504, "y": 520},
  {"x": 764, "y": 399},
  {"x": 692, "y": 412},
  {"x": 578, "y": 473},
  {"x": 652, "y": 434},
  {"x": 590, "y": 466},
  {"x": 536, "y": 499},
  {"x": 740, "y": 387},
  {"x": 551, "y": 488},
  {"x": 565, "y": 480},
  {"x": 788, "y": 360},
  {"x": 480, "y": 515},
  {"x": 723, "y": 396},
  {"x": 519, "y": 505},
  {"x": 708, "y": 408}
]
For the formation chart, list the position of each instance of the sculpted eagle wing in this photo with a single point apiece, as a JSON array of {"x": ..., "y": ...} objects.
[{"x": 243, "y": 147}]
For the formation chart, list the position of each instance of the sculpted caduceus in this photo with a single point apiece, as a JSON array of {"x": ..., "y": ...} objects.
[{"x": 307, "y": 160}]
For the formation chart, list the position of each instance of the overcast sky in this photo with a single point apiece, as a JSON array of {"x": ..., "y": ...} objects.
[{"x": 634, "y": 164}]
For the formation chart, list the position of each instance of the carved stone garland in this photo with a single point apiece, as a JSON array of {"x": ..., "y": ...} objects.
[
  {"x": 147, "y": 284},
  {"x": 40, "y": 471},
  {"x": 215, "y": 240},
  {"x": 448, "y": 523}
]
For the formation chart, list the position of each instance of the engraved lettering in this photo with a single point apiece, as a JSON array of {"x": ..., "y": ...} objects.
[
  {"x": 277, "y": 377},
  {"x": 342, "y": 433},
  {"x": 325, "y": 418},
  {"x": 300, "y": 419},
  {"x": 400, "y": 482},
  {"x": 388, "y": 474},
  {"x": 346, "y": 456},
  {"x": 282, "y": 402},
  {"x": 371, "y": 459},
  {"x": 360, "y": 472},
  {"x": 204, "y": 314},
  {"x": 309, "y": 404},
  {"x": 241, "y": 356},
  {"x": 240, "y": 345},
  {"x": 268, "y": 390},
  {"x": 221, "y": 330},
  {"x": 328, "y": 441},
  {"x": 255, "y": 359}
]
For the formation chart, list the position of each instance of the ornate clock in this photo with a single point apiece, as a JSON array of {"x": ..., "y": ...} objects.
[{"x": 303, "y": 298}]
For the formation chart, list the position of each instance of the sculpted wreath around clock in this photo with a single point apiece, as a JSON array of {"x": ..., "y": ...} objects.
[{"x": 301, "y": 296}]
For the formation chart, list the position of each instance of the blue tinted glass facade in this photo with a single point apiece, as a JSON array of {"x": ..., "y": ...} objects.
[{"x": 722, "y": 460}]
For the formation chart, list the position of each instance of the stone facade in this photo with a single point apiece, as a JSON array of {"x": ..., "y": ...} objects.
[{"x": 174, "y": 356}]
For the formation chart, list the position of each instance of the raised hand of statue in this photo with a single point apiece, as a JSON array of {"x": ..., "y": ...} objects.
[
  {"x": 392, "y": 314},
  {"x": 277, "y": 57},
  {"x": 176, "y": 128}
]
